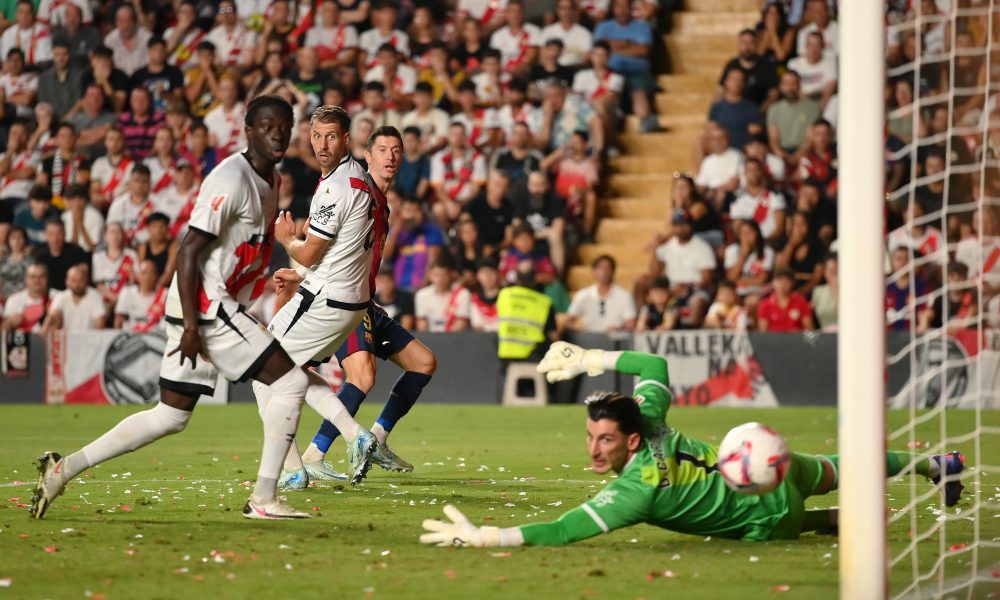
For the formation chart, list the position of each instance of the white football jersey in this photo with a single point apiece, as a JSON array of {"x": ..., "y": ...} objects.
[
  {"x": 343, "y": 212},
  {"x": 514, "y": 47},
  {"x": 236, "y": 206},
  {"x": 132, "y": 217}
]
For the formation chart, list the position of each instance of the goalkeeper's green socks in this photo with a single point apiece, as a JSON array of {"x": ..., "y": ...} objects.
[{"x": 896, "y": 463}]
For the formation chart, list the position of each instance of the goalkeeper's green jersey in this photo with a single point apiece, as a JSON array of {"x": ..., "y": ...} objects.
[{"x": 671, "y": 482}]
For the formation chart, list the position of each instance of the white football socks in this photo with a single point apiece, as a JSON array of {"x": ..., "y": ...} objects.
[
  {"x": 281, "y": 419},
  {"x": 132, "y": 433},
  {"x": 263, "y": 395},
  {"x": 322, "y": 399}
]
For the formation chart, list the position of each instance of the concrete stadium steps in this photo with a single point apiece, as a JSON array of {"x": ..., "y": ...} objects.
[
  {"x": 717, "y": 6},
  {"x": 630, "y": 232},
  {"x": 680, "y": 103},
  {"x": 643, "y": 164},
  {"x": 702, "y": 56},
  {"x": 641, "y": 186},
  {"x": 713, "y": 23},
  {"x": 623, "y": 255},
  {"x": 653, "y": 209},
  {"x": 674, "y": 155},
  {"x": 579, "y": 276},
  {"x": 637, "y": 202},
  {"x": 688, "y": 82}
]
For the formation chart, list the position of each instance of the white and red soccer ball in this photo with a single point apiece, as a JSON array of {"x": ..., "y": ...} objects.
[{"x": 753, "y": 459}]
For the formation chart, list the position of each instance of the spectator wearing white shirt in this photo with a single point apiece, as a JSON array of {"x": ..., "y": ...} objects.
[
  {"x": 599, "y": 85},
  {"x": 84, "y": 223},
  {"x": 375, "y": 110},
  {"x": 32, "y": 37},
  {"x": 517, "y": 41},
  {"x": 183, "y": 37},
  {"x": 490, "y": 14},
  {"x": 430, "y": 120},
  {"x": 458, "y": 172},
  {"x": 822, "y": 24},
  {"x": 817, "y": 71},
  {"x": 719, "y": 172},
  {"x": 384, "y": 18},
  {"x": 516, "y": 109},
  {"x": 131, "y": 208},
  {"x": 177, "y": 199},
  {"x": 576, "y": 39},
  {"x": 128, "y": 41},
  {"x": 140, "y": 307},
  {"x": 604, "y": 306},
  {"x": 756, "y": 202},
  {"x": 399, "y": 79},
  {"x": 20, "y": 87},
  {"x": 749, "y": 263},
  {"x": 18, "y": 165},
  {"x": 442, "y": 306},
  {"x": 483, "y": 301},
  {"x": 25, "y": 310},
  {"x": 689, "y": 262},
  {"x": 226, "y": 122},
  {"x": 233, "y": 43},
  {"x": 491, "y": 80},
  {"x": 113, "y": 266},
  {"x": 482, "y": 124},
  {"x": 336, "y": 43},
  {"x": 53, "y": 12},
  {"x": 774, "y": 167},
  {"x": 77, "y": 308}
]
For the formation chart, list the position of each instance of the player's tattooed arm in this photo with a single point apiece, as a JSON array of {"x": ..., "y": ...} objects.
[{"x": 187, "y": 287}]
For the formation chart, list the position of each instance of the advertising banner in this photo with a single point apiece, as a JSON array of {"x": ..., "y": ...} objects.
[
  {"x": 960, "y": 367},
  {"x": 108, "y": 367},
  {"x": 709, "y": 367}
]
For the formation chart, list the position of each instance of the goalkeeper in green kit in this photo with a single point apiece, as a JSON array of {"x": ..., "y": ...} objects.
[{"x": 667, "y": 479}]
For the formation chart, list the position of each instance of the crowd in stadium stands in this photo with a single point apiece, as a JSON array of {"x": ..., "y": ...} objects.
[
  {"x": 111, "y": 114},
  {"x": 751, "y": 243}
]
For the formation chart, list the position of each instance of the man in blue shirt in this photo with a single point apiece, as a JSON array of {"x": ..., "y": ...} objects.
[{"x": 631, "y": 41}]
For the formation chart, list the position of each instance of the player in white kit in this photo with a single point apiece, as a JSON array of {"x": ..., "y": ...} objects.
[
  {"x": 221, "y": 269},
  {"x": 337, "y": 255}
]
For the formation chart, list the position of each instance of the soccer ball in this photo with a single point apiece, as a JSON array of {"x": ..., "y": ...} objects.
[{"x": 753, "y": 459}]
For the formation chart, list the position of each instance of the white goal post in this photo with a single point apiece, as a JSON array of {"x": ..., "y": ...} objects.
[{"x": 861, "y": 349}]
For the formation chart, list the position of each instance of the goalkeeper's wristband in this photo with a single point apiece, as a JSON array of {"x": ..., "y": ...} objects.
[
  {"x": 596, "y": 362},
  {"x": 494, "y": 536},
  {"x": 490, "y": 536}
]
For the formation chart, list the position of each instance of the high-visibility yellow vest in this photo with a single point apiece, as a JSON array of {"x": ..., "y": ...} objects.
[{"x": 521, "y": 316}]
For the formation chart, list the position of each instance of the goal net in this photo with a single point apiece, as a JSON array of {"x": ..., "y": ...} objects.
[{"x": 942, "y": 303}]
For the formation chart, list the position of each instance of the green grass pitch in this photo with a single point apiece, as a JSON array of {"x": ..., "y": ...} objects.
[{"x": 165, "y": 522}]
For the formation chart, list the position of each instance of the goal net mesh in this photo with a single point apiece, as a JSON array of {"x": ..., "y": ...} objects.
[{"x": 942, "y": 306}]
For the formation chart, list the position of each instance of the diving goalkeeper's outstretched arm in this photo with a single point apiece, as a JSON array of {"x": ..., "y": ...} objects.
[{"x": 613, "y": 437}]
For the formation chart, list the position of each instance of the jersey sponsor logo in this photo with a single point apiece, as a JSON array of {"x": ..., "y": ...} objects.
[
  {"x": 605, "y": 498},
  {"x": 324, "y": 214},
  {"x": 216, "y": 201},
  {"x": 639, "y": 399},
  {"x": 656, "y": 439}
]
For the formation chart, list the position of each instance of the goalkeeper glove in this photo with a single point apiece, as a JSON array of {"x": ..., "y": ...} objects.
[
  {"x": 459, "y": 532},
  {"x": 565, "y": 361}
]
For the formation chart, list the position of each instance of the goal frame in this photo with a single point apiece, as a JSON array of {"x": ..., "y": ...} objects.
[{"x": 861, "y": 323}]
